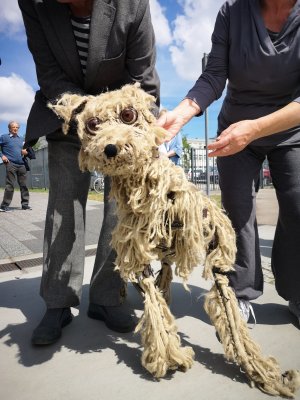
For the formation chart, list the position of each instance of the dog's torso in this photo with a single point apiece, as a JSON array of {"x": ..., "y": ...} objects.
[{"x": 162, "y": 216}]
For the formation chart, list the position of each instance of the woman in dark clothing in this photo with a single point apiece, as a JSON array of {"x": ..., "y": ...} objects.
[{"x": 255, "y": 46}]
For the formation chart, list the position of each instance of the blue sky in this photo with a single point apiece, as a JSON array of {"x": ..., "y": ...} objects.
[{"x": 183, "y": 29}]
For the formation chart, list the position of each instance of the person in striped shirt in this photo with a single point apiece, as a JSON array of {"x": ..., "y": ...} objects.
[{"x": 82, "y": 47}]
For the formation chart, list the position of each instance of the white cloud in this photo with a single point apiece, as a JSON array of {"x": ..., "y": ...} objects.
[
  {"x": 192, "y": 36},
  {"x": 160, "y": 24},
  {"x": 16, "y": 98},
  {"x": 11, "y": 21}
]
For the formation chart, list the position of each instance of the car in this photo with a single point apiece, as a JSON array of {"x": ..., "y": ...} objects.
[
  {"x": 196, "y": 175},
  {"x": 267, "y": 176},
  {"x": 214, "y": 175},
  {"x": 266, "y": 173}
]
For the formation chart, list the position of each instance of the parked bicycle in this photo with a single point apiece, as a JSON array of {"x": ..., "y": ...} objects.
[{"x": 97, "y": 182}]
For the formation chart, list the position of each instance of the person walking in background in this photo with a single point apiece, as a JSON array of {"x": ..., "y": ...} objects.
[
  {"x": 11, "y": 145},
  {"x": 82, "y": 47},
  {"x": 174, "y": 148},
  {"x": 255, "y": 45}
]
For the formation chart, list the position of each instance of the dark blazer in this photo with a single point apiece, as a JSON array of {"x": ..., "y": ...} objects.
[{"x": 121, "y": 50}]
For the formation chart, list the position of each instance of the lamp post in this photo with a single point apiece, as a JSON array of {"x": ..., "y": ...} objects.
[{"x": 204, "y": 62}]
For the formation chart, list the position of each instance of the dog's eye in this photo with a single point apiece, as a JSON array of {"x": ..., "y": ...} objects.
[
  {"x": 128, "y": 115},
  {"x": 92, "y": 125}
]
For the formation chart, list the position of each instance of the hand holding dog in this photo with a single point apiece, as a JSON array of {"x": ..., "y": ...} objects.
[{"x": 174, "y": 120}]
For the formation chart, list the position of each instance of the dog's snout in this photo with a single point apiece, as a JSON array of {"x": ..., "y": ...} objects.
[{"x": 110, "y": 150}]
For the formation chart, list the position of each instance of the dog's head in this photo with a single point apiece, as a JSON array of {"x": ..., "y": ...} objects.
[{"x": 117, "y": 129}]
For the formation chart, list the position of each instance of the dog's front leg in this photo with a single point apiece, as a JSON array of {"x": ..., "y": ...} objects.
[{"x": 162, "y": 346}]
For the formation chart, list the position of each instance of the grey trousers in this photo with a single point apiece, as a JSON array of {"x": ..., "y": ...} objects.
[
  {"x": 13, "y": 171},
  {"x": 64, "y": 244},
  {"x": 238, "y": 174}
]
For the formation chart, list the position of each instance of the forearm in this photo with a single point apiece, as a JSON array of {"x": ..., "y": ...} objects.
[
  {"x": 238, "y": 135},
  {"x": 187, "y": 109},
  {"x": 281, "y": 120}
]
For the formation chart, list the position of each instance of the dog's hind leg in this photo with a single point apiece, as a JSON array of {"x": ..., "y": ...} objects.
[{"x": 222, "y": 307}]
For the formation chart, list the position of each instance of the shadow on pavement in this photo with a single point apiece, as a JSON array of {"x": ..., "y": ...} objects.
[{"x": 84, "y": 335}]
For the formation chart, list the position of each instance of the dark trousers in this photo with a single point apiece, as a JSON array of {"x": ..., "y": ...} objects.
[
  {"x": 64, "y": 243},
  {"x": 238, "y": 174},
  {"x": 14, "y": 171}
]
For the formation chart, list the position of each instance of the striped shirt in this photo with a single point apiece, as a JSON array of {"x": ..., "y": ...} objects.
[{"x": 81, "y": 29}]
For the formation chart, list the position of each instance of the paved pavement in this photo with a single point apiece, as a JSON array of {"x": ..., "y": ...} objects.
[
  {"x": 21, "y": 234},
  {"x": 94, "y": 363}
]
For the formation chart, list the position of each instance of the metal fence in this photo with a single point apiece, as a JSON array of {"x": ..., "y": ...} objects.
[
  {"x": 37, "y": 177},
  {"x": 193, "y": 161},
  {"x": 200, "y": 170},
  {"x": 203, "y": 171}
]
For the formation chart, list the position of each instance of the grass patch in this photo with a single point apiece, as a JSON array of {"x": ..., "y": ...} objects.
[
  {"x": 99, "y": 196},
  {"x": 36, "y": 190},
  {"x": 95, "y": 196},
  {"x": 91, "y": 195},
  {"x": 216, "y": 198}
]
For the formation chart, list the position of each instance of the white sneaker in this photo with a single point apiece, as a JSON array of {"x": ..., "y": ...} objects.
[
  {"x": 294, "y": 307},
  {"x": 246, "y": 311}
]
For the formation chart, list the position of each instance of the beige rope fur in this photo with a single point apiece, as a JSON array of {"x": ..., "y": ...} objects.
[
  {"x": 163, "y": 216},
  {"x": 163, "y": 281},
  {"x": 162, "y": 347},
  {"x": 222, "y": 307}
]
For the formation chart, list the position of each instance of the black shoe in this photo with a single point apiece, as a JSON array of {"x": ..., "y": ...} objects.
[
  {"x": 49, "y": 329},
  {"x": 117, "y": 318},
  {"x": 26, "y": 208},
  {"x": 4, "y": 209}
]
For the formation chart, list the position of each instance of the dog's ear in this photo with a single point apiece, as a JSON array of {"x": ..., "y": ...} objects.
[{"x": 66, "y": 108}]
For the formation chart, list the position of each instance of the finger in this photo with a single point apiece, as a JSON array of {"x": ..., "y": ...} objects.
[
  {"x": 223, "y": 152},
  {"x": 222, "y": 142}
]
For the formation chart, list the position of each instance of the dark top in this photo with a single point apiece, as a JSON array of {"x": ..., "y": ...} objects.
[
  {"x": 121, "y": 50},
  {"x": 11, "y": 146},
  {"x": 263, "y": 76}
]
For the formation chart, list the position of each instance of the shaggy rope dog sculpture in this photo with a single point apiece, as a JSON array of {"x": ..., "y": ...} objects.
[{"x": 163, "y": 216}]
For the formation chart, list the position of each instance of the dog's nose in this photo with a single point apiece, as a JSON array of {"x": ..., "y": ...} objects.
[{"x": 110, "y": 150}]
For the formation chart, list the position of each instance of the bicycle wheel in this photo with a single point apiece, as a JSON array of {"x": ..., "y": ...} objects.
[{"x": 99, "y": 185}]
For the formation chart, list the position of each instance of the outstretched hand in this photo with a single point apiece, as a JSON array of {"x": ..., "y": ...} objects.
[
  {"x": 234, "y": 139},
  {"x": 172, "y": 122}
]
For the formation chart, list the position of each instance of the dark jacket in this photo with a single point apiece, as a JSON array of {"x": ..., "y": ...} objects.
[
  {"x": 121, "y": 50},
  {"x": 263, "y": 76}
]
